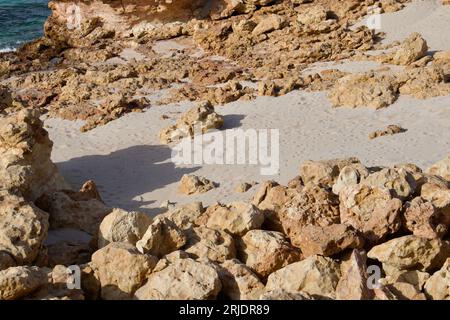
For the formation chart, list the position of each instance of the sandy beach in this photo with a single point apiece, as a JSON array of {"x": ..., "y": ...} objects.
[
  {"x": 227, "y": 150},
  {"x": 134, "y": 171}
]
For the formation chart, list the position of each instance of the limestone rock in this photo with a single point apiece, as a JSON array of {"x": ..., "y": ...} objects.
[
  {"x": 424, "y": 82},
  {"x": 324, "y": 172},
  {"x": 314, "y": 15},
  {"x": 25, "y": 165},
  {"x": 23, "y": 228},
  {"x": 18, "y": 282},
  {"x": 165, "y": 261},
  {"x": 123, "y": 226},
  {"x": 268, "y": 24},
  {"x": 239, "y": 282},
  {"x": 438, "y": 285},
  {"x": 350, "y": 175},
  {"x": 441, "y": 168},
  {"x": 121, "y": 270},
  {"x": 266, "y": 251},
  {"x": 161, "y": 238},
  {"x": 411, "y": 50},
  {"x": 390, "y": 130},
  {"x": 184, "y": 279},
  {"x": 405, "y": 291},
  {"x": 269, "y": 199},
  {"x": 185, "y": 216},
  {"x": 364, "y": 90},
  {"x": 215, "y": 245},
  {"x": 236, "y": 218},
  {"x": 414, "y": 277},
  {"x": 192, "y": 184},
  {"x": 353, "y": 283},
  {"x": 423, "y": 219},
  {"x": 312, "y": 206},
  {"x": 328, "y": 240},
  {"x": 315, "y": 20},
  {"x": 440, "y": 198},
  {"x": 315, "y": 275},
  {"x": 244, "y": 187},
  {"x": 399, "y": 182},
  {"x": 197, "y": 120},
  {"x": 411, "y": 252},
  {"x": 82, "y": 210},
  {"x": 370, "y": 210}
]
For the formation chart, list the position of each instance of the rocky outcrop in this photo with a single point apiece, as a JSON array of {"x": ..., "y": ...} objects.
[
  {"x": 25, "y": 165},
  {"x": 364, "y": 90},
  {"x": 411, "y": 50},
  {"x": 195, "y": 121},
  {"x": 82, "y": 210}
]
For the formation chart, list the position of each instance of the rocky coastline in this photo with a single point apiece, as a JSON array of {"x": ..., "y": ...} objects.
[{"x": 317, "y": 237}]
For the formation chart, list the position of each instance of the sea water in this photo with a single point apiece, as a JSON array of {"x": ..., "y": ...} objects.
[{"x": 21, "y": 21}]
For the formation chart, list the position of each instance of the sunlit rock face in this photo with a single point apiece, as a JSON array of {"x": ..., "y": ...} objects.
[{"x": 122, "y": 15}]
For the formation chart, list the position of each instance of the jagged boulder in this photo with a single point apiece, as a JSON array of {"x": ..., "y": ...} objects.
[
  {"x": 236, "y": 218},
  {"x": 123, "y": 226},
  {"x": 183, "y": 279},
  {"x": 82, "y": 210},
  {"x": 25, "y": 165},
  {"x": 23, "y": 228},
  {"x": 266, "y": 251},
  {"x": 315, "y": 275},
  {"x": 411, "y": 253},
  {"x": 122, "y": 269},
  {"x": 162, "y": 237}
]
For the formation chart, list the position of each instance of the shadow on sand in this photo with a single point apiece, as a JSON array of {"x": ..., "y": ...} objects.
[{"x": 123, "y": 175}]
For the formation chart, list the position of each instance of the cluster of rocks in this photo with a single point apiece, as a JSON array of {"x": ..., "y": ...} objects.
[
  {"x": 83, "y": 74},
  {"x": 319, "y": 237},
  {"x": 424, "y": 77}
]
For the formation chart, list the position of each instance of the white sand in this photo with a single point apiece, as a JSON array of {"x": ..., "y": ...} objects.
[{"x": 135, "y": 172}]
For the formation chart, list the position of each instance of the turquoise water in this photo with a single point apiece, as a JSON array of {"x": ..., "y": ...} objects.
[{"x": 21, "y": 21}]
